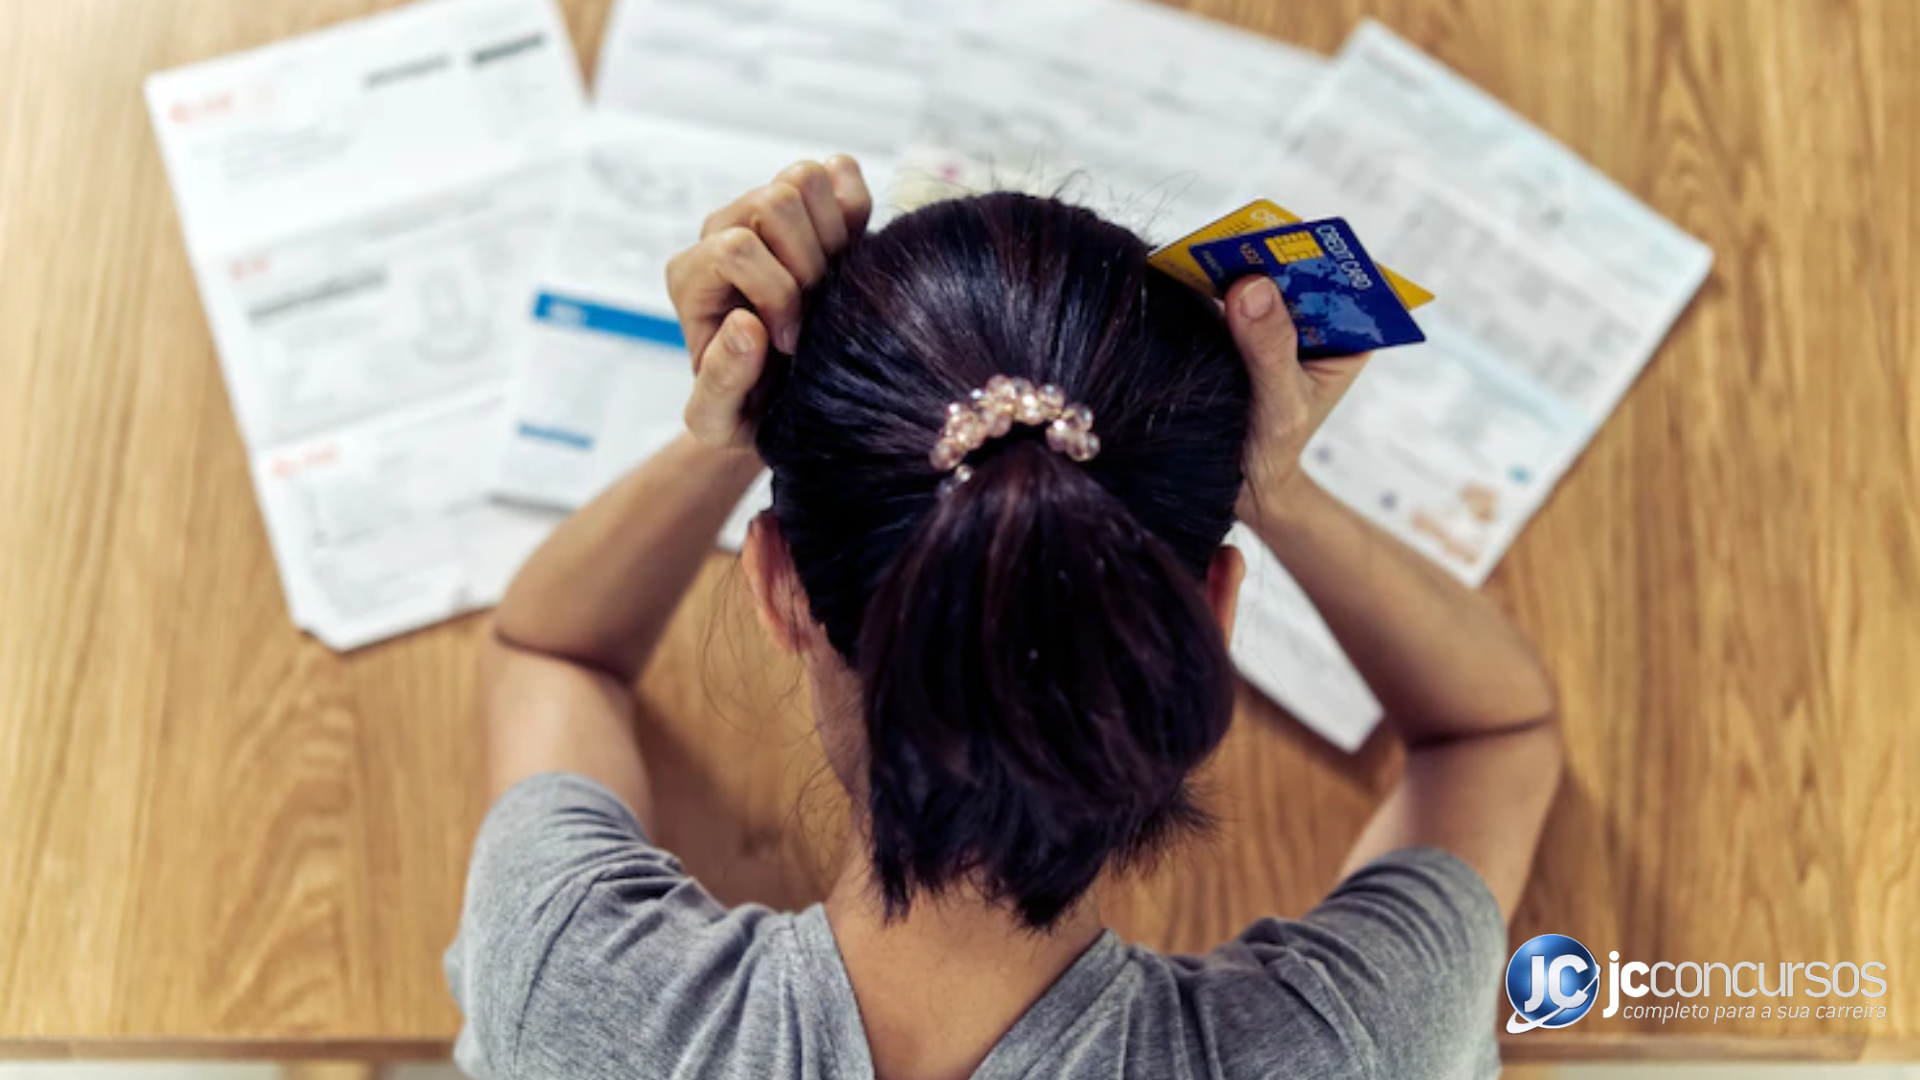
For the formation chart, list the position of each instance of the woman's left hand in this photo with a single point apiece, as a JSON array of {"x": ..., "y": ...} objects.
[{"x": 739, "y": 288}]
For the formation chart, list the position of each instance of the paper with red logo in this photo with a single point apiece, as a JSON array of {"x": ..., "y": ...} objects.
[{"x": 359, "y": 207}]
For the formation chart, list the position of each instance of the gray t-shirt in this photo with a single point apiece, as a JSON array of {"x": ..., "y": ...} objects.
[{"x": 585, "y": 952}]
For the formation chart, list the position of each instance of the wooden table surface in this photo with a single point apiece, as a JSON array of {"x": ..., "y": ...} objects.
[{"x": 216, "y": 836}]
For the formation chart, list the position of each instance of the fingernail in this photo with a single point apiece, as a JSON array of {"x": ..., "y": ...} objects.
[
  {"x": 739, "y": 342},
  {"x": 1257, "y": 299},
  {"x": 789, "y": 339}
]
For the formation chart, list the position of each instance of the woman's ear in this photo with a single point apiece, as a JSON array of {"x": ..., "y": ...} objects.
[
  {"x": 1224, "y": 575},
  {"x": 777, "y": 598}
]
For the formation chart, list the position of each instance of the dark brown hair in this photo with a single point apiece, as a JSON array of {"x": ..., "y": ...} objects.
[{"x": 1041, "y": 672}]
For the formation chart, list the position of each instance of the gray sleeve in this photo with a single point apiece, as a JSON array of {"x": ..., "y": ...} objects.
[
  {"x": 1403, "y": 961},
  {"x": 541, "y": 851}
]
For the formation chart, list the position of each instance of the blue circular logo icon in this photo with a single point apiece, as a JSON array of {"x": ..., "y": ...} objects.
[{"x": 1551, "y": 982}]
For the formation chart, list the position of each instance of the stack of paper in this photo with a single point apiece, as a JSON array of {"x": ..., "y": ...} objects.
[{"x": 435, "y": 277}]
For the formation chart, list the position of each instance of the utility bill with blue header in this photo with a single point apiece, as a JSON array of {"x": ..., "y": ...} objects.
[
  {"x": 603, "y": 372},
  {"x": 1339, "y": 299},
  {"x": 595, "y": 402}
]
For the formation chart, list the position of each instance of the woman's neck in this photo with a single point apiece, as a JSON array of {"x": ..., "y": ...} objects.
[{"x": 939, "y": 987}]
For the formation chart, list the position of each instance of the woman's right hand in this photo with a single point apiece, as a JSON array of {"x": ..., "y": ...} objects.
[
  {"x": 739, "y": 288},
  {"x": 1290, "y": 399}
]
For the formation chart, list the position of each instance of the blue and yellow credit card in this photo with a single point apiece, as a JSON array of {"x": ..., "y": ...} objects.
[
  {"x": 1340, "y": 299},
  {"x": 1260, "y": 215}
]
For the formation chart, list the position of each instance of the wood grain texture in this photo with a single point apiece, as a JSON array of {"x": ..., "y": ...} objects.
[{"x": 217, "y": 836}]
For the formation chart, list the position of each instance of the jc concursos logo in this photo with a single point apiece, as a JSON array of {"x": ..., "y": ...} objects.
[{"x": 1551, "y": 982}]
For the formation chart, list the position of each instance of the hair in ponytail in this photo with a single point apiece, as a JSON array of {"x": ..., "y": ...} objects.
[{"x": 1040, "y": 671}]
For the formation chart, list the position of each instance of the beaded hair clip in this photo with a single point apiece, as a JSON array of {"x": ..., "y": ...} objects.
[{"x": 991, "y": 412}]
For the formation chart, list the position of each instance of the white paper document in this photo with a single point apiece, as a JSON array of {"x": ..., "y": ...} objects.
[
  {"x": 1554, "y": 289},
  {"x": 360, "y": 207},
  {"x": 1146, "y": 114},
  {"x": 605, "y": 372},
  {"x": 852, "y": 75}
]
